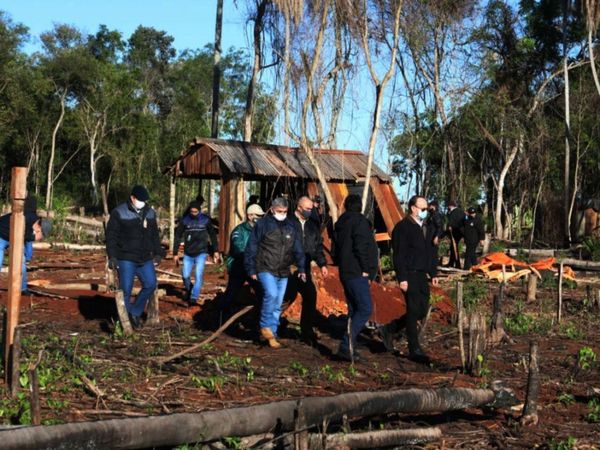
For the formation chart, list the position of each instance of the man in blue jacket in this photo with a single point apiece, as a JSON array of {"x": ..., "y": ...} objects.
[
  {"x": 273, "y": 247},
  {"x": 133, "y": 247},
  {"x": 199, "y": 239}
]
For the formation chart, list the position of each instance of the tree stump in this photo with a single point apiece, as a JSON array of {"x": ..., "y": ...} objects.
[
  {"x": 532, "y": 287},
  {"x": 477, "y": 340},
  {"x": 153, "y": 308},
  {"x": 530, "y": 415},
  {"x": 122, "y": 311}
]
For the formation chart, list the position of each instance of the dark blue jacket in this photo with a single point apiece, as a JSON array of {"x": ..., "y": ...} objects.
[
  {"x": 197, "y": 234},
  {"x": 273, "y": 247},
  {"x": 133, "y": 235}
]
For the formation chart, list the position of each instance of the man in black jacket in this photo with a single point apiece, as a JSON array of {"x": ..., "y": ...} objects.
[
  {"x": 133, "y": 247},
  {"x": 456, "y": 220},
  {"x": 312, "y": 242},
  {"x": 474, "y": 234},
  {"x": 358, "y": 260},
  {"x": 415, "y": 266},
  {"x": 274, "y": 245}
]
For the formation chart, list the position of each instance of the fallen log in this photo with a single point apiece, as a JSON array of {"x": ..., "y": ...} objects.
[
  {"x": 375, "y": 439},
  {"x": 66, "y": 246},
  {"x": 182, "y": 428},
  {"x": 581, "y": 264}
]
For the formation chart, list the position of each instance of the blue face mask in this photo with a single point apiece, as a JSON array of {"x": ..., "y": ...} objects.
[{"x": 423, "y": 214}]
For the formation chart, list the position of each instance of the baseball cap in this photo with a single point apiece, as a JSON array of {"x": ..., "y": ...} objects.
[
  {"x": 471, "y": 210},
  {"x": 255, "y": 209},
  {"x": 140, "y": 193},
  {"x": 46, "y": 226}
]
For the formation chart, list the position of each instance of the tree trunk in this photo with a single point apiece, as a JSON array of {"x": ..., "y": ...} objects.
[
  {"x": 376, "y": 439},
  {"x": 501, "y": 180},
  {"x": 567, "y": 162},
  {"x": 249, "y": 111},
  {"x": 530, "y": 415},
  {"x": 50, "y": 178},
  {"x": 177, "y": 429},
  {"x": 214, "y": 133},
  {"x": 593, "y": 60}
]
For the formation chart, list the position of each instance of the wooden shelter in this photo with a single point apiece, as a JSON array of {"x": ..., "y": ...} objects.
[{"x": 282, "y": 170}]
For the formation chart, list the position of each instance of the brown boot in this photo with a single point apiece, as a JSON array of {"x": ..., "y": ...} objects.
[{"x": 267, "y": 334}]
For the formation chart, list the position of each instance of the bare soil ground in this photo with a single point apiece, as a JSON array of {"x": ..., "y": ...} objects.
[{"x": 85, "y": 354}]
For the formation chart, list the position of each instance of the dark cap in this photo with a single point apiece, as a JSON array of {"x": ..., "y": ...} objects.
[
  {"x": 195, "y": 205},
  {"x": 46, "y": 226},
  {"x": 317, "y": 199},
  {"x": 471, "y": 210},
  {"x": 140, "y": 193}
]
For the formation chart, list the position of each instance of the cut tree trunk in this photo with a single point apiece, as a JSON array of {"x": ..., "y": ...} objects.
[
  {"x": 177, "y": 429},
  {"x": 530, "y": 415},
  {"x": 376, "y": 439},
  {"x": 123, "y": 316},
  {"x": 477, "y": 339},
  {"x": 531, "y": 287}
]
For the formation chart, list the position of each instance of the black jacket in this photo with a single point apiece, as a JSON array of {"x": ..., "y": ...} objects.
[
  {"x": 413, "y": 249},
  {"x": 436, "y": 222},
  {"x": 132, "y": 235},
  {"x": 273, "y": 247},
  {"x": 474, "y": 230},
  {"x": 355, "y": 247},
  {"x": 456, "y": 219},
  {"x": 31, "y": 217},
  {"x": 197, "y": 234},
  {"x": 312, "y": 241}
]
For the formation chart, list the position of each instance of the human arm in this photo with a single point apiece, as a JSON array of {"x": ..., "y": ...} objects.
[
  {"x": 252, "y": 250},
  {"x": 365, "y": 248}
]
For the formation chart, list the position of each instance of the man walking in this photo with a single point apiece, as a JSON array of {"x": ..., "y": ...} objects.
[
  {"x": 274, "y": 246},
  {"x": 236, "y": 271},
  {"x": 357, "y": 258},
  {"x": 133, "y": 247},
  {"x": 474, "y": 234},
  {"x": 199, "y": 239},
  {"x": 415, "y": 266},
  {"x": 456, "y": 218},
  {"x": 312, "y": 243}
]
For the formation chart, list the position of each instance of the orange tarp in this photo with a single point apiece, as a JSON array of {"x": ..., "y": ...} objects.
[{"x": 499, "y": 266}]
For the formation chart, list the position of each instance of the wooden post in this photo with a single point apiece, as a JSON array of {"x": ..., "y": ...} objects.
[
  {"x": 560, "y": 282},
  {"x": 122, "y": 311},
  {"x": 34, "y": 397},
  {"x": 530, "y": 415},
  {"x": 172, "y": 213},
  {"x": 531, "y": 287},
  {"x": 153, "y": 308},
  {"x": 15, "y": 363},
  {"x": 459, "y": 306},
  {"x": 15, "y": 270}
]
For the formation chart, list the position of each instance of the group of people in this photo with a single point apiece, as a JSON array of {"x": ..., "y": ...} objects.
[{"x": 274, "y": 250}]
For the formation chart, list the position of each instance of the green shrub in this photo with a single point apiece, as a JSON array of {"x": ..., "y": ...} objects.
[
  {"x": 591, "y": 247},
  {"x": 475, "y": 291}
]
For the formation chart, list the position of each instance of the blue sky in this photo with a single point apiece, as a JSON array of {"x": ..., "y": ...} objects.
[{"x": 190, "y": 22}]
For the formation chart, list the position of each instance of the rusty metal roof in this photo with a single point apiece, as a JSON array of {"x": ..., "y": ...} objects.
[{"x": 260, "y": 160}]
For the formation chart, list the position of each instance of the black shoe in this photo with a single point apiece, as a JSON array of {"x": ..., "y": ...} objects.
[
  {"x": 419, "y": 356},
  {"x": 136, "y": 321},
  {"x": 387, "y": 336},
  {"x": 344, "y": 354}
]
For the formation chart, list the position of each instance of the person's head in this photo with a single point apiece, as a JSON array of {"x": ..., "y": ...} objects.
[
  {"x": 253, "y": 213},
  {"x": 317, "y": 201},
  {"x": 42, "y": 229},
  {"x": 304, "y": 207},
  {"x": 139, "y": 196},
  {"x": 194, "y": 208},
  {"x": 417, "y": 206},
  {"x": 433, "y": 205},
  {"x": 472, "y": 212},
  {"x": 279, "y": 208},
  {"x": 200, "y": 200},
  {"x": 451, "y": 204},
  {"x": 353, "y": 203},
  {"x": 253, "y": 200}
]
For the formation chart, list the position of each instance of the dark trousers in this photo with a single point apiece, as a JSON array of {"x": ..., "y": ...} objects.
[
  {"x": 470, "y": 254},
  {"x": 417, "y": 304},
  {"x": 358, "y": 297},
  {"x": 308, "y": 291},
  {"x": 456, "y": 236},
  {"x": 234, "y": 285}
]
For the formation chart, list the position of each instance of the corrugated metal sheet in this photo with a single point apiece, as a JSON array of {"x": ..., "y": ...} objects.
[{"x": 252, "y": 160}]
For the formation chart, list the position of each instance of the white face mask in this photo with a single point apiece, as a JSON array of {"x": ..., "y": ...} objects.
[
  {"x": 280, "y": 216},
  {"x": 137, "y": 204}
]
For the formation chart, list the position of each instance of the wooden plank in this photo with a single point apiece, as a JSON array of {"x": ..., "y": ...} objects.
[
  {"x": 18, "y": 190},
  {"x": 392, "y": 202},
  {"x": 379, "y": 237},
  {"x": 383, "y": 204}
]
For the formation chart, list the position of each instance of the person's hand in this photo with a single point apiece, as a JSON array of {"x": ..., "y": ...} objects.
[
  {"x": 481, "y": 243},
  {"x": 176, "y": 259},
  {"x": 365, "y": 274},
  {"x": 216, "y": 258},
  {"x": 404, "y": 286},
  {"x": 436, "y": 240},
  {"x": 113, "y": 264},
  {"x": 157, "y": 259},
  {"x": 435, "y": 281},
  {"x": 324, "y": 271},
  {"x": 302, "y": 276},
  {"x": 254, "y": 277}
]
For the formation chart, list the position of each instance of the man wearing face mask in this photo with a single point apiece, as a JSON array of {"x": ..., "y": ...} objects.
[
  {"x": 199, "y": 239},
  {"x": 237, "y": 275},
  {"x": 415, "y": 266},
  {"x": 474, "y": 234},
  {"x": 133, "y": 247},
  {"x": 312, "y": 242},
  {"x": 273, "y": 247}
]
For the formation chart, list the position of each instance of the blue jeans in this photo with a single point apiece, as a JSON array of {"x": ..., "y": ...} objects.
[
  {"x": 273, "y": 291},
  {"x": 128, "y": 270},
  {"x": 4, "y": 244},
  {"x": 188, "y": 263},
  {"x": 358, "y": 297}
]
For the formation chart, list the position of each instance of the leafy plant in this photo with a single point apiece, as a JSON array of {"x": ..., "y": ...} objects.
[
  {"x": 566, "y": 398},
  {"x": 563, "y": 445},
  {"x": 211, "y": 384},
  {"x": 475, "y": 291},
  {"x": 591, "y": 247},
  {"x": 234, "y": 443},
  {"x": 386, "y": 263},
  {"x": 299, "y": 369},
  {"x": 519, "y": 322},
  {"x": 585, "y": 358},
  {"x": 593, "y": 410}
]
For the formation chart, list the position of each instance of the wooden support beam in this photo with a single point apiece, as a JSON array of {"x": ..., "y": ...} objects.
[
  {"x": 18, "y": 191},
  {"x": 172, "y": 213}
]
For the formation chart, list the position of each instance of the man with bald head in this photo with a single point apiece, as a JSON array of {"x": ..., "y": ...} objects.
[{"x": 312, "y": 243}]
